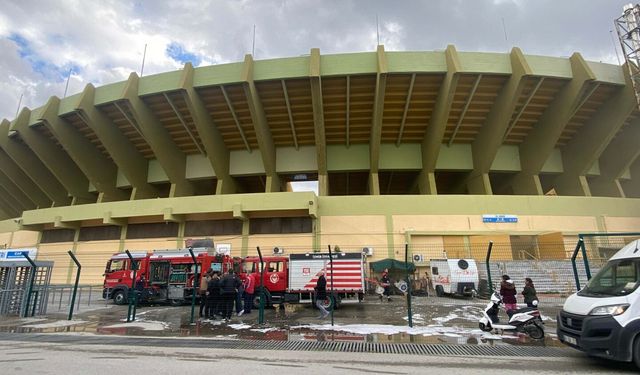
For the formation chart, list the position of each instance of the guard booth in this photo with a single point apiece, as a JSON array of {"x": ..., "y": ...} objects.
[{"x": 15, "y": 277}]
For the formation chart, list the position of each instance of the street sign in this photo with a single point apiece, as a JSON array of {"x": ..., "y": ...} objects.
[
  {"x": 7, "y": 255},
  {"x": 499, "y": 218}
]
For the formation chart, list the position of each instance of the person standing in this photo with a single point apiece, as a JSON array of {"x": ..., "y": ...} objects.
[
  {"x": 213, "y": 296},
  {"x": 239, "y": 294},
  {"x": 202, "y": 290},
  {"x": 228, "y": 289},
  {"x": 321, "y": 294},
  {"x": 529, "y": 292},
  {"x": 385, "y": 282},
  {"x": 508, "y": 293},
  {"x": 249, "y": 289}
]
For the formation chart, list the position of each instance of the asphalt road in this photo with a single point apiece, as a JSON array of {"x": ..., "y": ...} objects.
[{"x": 19, "y": 357}]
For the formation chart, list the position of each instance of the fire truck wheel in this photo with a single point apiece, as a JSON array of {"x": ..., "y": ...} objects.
[
  {"x": 328, "y": 303},
  {"x": 119, "y": 297},
  {"x": 175, "y": 302},
  {"x": 256, "y": 298}
]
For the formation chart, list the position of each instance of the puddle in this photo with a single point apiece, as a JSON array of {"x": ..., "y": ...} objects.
[{"x": 434, "y": 322}]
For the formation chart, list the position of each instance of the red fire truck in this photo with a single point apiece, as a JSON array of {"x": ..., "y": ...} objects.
[
  {"x": 166, "y": 276},
  {"x": 293, "y": 278},
  {"x": 163, "y": 276}
]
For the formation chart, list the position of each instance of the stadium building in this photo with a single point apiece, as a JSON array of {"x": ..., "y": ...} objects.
[{"x": 442, "y": 150}]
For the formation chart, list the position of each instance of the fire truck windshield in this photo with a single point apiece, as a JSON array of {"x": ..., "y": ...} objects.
[{"x": 115, "y": 265}]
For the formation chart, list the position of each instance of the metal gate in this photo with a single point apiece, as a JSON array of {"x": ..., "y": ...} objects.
[{"x": 14, "y": 288}]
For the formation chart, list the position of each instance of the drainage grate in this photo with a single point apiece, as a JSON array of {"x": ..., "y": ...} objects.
[{"x": 347, "y": 347}]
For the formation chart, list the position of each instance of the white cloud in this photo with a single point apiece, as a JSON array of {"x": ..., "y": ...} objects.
[{"x": 105, "y": 39}]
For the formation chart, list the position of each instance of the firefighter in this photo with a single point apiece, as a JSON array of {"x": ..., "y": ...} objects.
[{"x": 249, "y": 289}]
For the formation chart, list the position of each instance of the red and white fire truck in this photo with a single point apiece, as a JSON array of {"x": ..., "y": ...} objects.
[
  {"x": 292, "y": 278},
  {"x": 166, "y": 276},
  {"x": 163, "y": 276}
]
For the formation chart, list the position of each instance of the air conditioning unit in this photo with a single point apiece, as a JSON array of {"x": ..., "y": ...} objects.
[
  {"x": 418, "y": 258},
  {"x": 278, "y": 250},
  {"x": 367, "y": 251}
]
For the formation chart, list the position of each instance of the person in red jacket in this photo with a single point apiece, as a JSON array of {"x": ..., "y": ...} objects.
[
  {"x": 249, "y": 289},
  {"x": 508, "y": 293}
]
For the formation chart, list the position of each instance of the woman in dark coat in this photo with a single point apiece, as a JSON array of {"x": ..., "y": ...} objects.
[
  {"x": 508, "y": 293},
  {"x": 529, "y": 292}
]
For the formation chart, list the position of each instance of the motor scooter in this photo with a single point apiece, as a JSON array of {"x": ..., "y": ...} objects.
[{"x": 525, "y": 320}]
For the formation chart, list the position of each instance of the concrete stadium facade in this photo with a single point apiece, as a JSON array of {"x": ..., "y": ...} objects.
[{"x": 406, "y": 147}]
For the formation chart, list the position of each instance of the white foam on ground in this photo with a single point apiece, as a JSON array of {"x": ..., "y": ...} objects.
[
  {"x": 264, "y": 330},
  {"x": 149, "y": 325},
  {"x": 56, "y": 324}
]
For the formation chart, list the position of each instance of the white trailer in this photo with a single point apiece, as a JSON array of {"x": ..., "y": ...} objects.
[
  {"x": 347, "y": 275},
  {"x": 454, "y": 276}
]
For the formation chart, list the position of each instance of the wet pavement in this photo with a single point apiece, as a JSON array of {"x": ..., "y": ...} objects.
[{"x": 435, "y": 321}]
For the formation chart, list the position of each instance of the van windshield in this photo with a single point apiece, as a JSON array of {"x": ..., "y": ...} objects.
[{"x": 617, "y": 278}]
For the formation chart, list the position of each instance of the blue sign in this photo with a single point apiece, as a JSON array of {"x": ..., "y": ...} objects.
[
  {"x": 499, "y": 218},
  {"x": 16, "y": 254}
]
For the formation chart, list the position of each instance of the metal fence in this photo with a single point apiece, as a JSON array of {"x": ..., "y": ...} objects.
[{"x": 88, "y": 296}]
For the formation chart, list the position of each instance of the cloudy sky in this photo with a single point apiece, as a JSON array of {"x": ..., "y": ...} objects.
[{"x": 102, "y": 41}]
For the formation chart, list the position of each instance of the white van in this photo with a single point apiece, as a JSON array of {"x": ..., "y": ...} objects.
[
  {"x": 454, "y": 276},
  {"x": 603, "y": 319}
]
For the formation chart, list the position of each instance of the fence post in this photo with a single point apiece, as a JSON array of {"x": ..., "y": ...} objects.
[
  {"x": 32, "y": 279},
  {"x": 133, "y": 301},
  {"x": 262, "y": 301},
  {"x": 332, "y": 298},
  {"x": 489, "y": 267},
  {"x": 406, "y": 264},
  {"x": 585, "y": 259},
  {"x": 573, "y": 262},
  {"x": 193, "y": 284},
  {"x": 75, "y": 286}
]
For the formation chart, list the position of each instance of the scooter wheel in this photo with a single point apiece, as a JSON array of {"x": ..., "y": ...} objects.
[
  {"x": 484, "y": 328},
  {"x": 534, "y": 331}
]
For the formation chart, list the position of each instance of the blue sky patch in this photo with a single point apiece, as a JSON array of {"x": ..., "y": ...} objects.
[
  {"x": 177, "y": 52},
  {"x": 40, "y": 65}
]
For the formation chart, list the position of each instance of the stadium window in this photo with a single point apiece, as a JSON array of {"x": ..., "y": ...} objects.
[
  {"x": 152, "y": 230},
  {"x": 57, "y": 235},
  {"x": 280, "y": 225},
  {"x": 101, "y": 233},
  {"x": 213, "y": 228}
]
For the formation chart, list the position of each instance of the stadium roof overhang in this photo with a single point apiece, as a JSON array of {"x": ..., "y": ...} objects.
[{"x": 236, "y": 123}]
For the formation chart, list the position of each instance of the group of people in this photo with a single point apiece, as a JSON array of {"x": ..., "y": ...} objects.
[
  {"x": 508, "y": 293},
  {"x": 218, "y": 294}
]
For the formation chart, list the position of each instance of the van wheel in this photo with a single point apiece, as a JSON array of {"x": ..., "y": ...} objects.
[
  {"x": 439, "y": 291},
  {"x": 119, "y": 298},
  {"x": 636, "y": 352}
]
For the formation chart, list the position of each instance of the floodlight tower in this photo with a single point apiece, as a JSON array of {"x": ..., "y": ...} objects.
[{"x": 628, "y": 28}]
